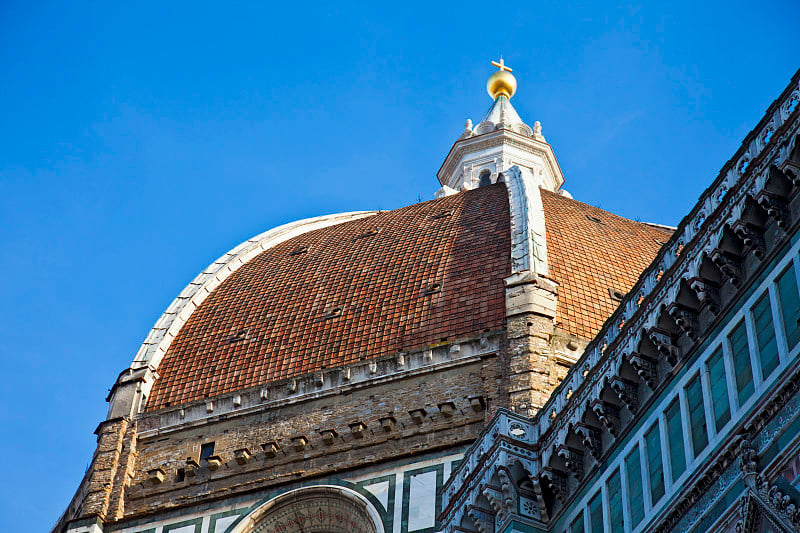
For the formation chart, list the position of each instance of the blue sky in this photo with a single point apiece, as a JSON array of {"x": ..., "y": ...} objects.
[{"x": 141, "y": 141}]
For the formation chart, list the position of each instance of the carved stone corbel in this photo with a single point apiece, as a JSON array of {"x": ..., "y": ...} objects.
[
  {"x": 608, "y": 414},
  {"x": 775, "y": 207},
  {"x": 508, "y": 492},
  {"x": 483, "y": 521},
  {"x": 573, "y": 460},
  {"x": 590, "y": 438},
  {"x": 685, "y": 319},
  {"x": 729, "y": 265},
  {"x": 752, "y": 239},
  {"x": 664, "y": 344},
  {"x": 556, "y": 481},
  {"x": 707, "y": 293},
  {"x": 646, "y": 368},
  {"x": 501, "y": 505},
  {"x": 626, "y": 391}
]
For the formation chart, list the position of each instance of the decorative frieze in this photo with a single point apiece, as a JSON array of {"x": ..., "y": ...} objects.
[{"x": 334, "y": 381}]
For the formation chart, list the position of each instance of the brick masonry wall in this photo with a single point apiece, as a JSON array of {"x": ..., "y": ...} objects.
[{"x": 443, "y": 426}]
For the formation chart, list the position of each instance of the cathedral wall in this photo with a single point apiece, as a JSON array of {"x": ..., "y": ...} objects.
[
  {"x": 380, "y": 424},
  {"x": 405, "y": 494},
  {"x": 709, "y": 439}
]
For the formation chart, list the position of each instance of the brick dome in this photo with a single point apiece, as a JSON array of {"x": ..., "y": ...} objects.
[{"x": 390, "y": 282}]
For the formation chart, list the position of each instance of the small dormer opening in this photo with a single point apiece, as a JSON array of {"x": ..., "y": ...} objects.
[
  {"x": 241, "y": 335},
  {"x": 333, "y": 312},
  {"x": 443, "y": 214},
  {"x": 484, "y": 178},
  {"x": 299, "y": 250},
  {"x": 433, "y": 288}
]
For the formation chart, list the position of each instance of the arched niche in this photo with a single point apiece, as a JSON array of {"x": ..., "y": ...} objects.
[
  {"x": 485, "y": 178},
  {"x": 317, "y": 509}
]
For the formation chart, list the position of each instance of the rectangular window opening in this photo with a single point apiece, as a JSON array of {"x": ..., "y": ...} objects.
[
  {"x": 719, "y": 389},
  {"x": 790, "y": 306},
  {"x": 743, "y": 371},
  {"x": 206, "y": 450},
  {"x": 655, "y": 465},
  {"x": 697, "y": 415},
  {"x": 596, "y": 513},
  {"x": 765, "y": 335},
  {"x": 677, "y": 453},
  {"x": 577, "y": 524},
  {"x": 614, "y": 487},
  {"x": 633, "y": 466}
]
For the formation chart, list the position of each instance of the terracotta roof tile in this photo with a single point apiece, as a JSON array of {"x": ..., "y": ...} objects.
[
  {"x": 590, "y": 251},
  {"x": 267, "y": 321}
]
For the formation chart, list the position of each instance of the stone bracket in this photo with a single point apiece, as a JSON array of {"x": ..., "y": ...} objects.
[
  {"x": 664, "y": 344},
  {"x": 686, "y": 319},
  {"x": 728, "y": 265},
  {"x": 775, "y": 207},
  {"x": 608, "y": 414},
  {"x": 556, "y": 481},
  {"x": 707, "y": 293},
  {"x": 591, "y": 439},
  {"x": 573, "y": 460},
  {"x": 626, "y": 391},
  {"x": 646, "y": 368},
  {"x": 752, "y": 239}
]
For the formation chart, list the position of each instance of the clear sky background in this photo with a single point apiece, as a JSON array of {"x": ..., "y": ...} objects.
[{"x": 140, "y": 141}]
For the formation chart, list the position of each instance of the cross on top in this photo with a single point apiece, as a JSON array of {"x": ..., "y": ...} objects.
[{"x": 501, "y": 65}]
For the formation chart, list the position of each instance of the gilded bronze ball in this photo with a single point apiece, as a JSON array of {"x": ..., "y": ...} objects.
[{"x": 501, "y": 82}]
